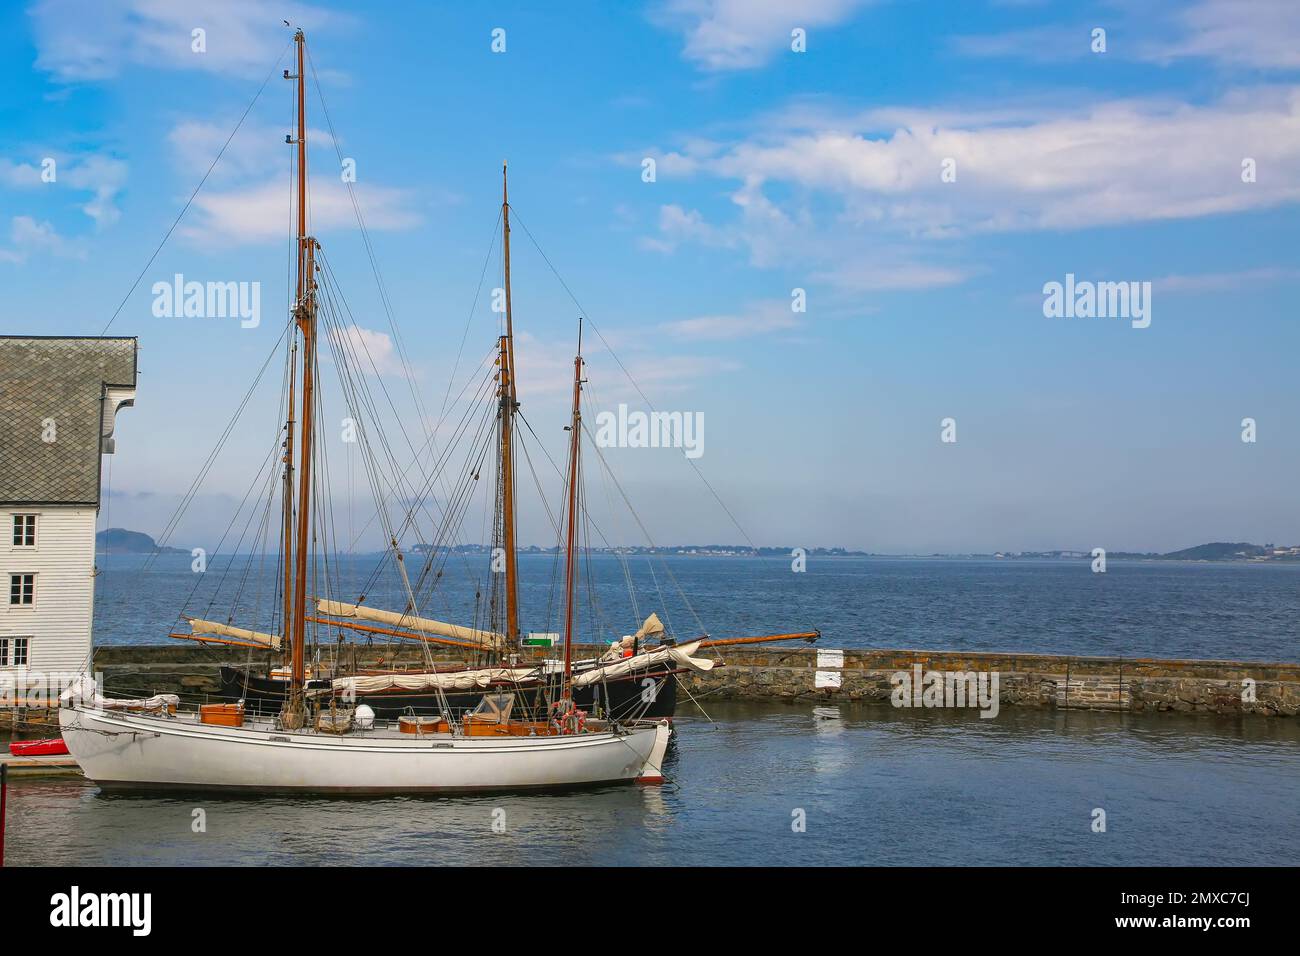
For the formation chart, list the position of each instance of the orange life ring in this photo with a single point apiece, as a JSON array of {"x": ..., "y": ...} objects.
[{"x": 560, "y": 717}]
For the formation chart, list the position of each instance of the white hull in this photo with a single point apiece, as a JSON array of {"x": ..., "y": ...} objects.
[{"x": 159, "y": 751}]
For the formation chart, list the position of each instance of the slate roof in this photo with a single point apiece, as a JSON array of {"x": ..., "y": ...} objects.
[{"x": 64, "y": 379}]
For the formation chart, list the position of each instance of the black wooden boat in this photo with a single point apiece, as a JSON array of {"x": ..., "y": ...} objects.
[{"x": 619, "y": 698}]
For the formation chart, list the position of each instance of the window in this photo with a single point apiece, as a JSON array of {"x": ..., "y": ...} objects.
[
  {"x": 22, "y": 590},
  {"x": 24, "y": 531},
  {"x": 13, "y": 651}
]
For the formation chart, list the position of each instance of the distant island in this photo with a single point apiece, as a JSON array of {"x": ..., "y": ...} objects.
[
  {"x": 739, "y": 550},
  {"x": 122, "y": 541},
  {"x": 1215, "y": 551}
]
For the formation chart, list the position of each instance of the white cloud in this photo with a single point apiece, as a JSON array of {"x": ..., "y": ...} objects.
[
  {"x": 254, "y": 152},
  {"x": 28, "y": 236},
  {"x": 677, "y": 225},
  {"x": 743, "y": 34},
  {"x": 1249, "y": 33},
  {"x": 1115, "y": 162},
  {"x": 102, "y": 176},
  {"x": 545, "y": 367},
  {"x": 260, "y": 212},
  {"x": 80, "y": 42},
  {"x": 247, "y": 197},
  {"x": 372, "y": 351},
  {"x": 857, "y": 200},
  {"x": 1254, "y": 34},
  {"x": 1226, "y": 281},
  {"x": 891, "y": 273},
  {"x": 759, "y": 319}
]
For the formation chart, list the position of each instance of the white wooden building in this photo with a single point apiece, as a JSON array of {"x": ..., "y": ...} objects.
[{"x": 59, "y": 397}]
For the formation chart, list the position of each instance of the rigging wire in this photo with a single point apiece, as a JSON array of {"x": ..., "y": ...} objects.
[
  {"x": 587, "y": 317},
  {"x": 184, "y": 209},
  {"x": 190, "y": 494}
]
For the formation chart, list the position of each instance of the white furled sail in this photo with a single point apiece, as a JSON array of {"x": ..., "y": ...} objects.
[
  {"x": 454, "y": 680},
  {"x": 423, "y": 624},
  {"x": 84, "y": 691},
  {"x": 629, "y": 665},
  {"x": 217, "y": 629}
]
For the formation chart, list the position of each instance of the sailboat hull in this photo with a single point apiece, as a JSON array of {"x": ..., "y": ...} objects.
[
  {"x": 130, "y": 750},
  {"x": 620, "y": 698}
]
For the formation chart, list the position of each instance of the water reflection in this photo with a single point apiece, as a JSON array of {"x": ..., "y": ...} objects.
[{"x": 876, "y": 785}]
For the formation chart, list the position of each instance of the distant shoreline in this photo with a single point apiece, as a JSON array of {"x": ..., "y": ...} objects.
[
  {"x": 785, "y": 555},
  {"x": 122, "y": 541}
]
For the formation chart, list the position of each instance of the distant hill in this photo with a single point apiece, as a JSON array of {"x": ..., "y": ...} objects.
[
  {"x": 121, "y": 541},
  {"x": 1219, "y": 551}
]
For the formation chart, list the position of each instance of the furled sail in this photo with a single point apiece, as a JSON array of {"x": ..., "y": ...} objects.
[
  {"x": 424, "y": 624},
  {"x": 453, "y": 680},
  {"x": 217, "y": 629},
  {"x": 629, "y": 665},
  {"x": 652, "y": 627},
  {"x": 84, "y": 692}
]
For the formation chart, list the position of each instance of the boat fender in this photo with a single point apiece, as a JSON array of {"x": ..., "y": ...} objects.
[{"x": 364, "y": 716}]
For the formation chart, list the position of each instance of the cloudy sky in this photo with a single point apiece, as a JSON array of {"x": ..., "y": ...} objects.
[{"x": 919, "y": 170}]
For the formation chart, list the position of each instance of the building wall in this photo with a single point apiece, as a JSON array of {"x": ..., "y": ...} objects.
[{"x": 59, "y": 625}]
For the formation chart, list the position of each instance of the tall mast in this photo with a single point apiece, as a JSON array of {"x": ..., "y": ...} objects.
[
  {"x": 570, "y": 568},
  {"x": 294, "y": 715},
  {"x": 286, "y": 549},
  {"x": 286, "y": 543},
  {"x": 507, "y": 413}
]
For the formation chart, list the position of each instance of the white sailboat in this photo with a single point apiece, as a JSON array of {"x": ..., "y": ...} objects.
[
  {"x": 122, "y": 748},
  {"x": 347, "y": 750}
]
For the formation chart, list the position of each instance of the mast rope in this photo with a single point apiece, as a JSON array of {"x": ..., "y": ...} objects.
[
  {"x": 614, "y": 355},
  {"x": 184, "y": 209},
  {"x": 190, "y": 494}
]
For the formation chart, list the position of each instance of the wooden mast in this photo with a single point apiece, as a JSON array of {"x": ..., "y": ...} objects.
[
  {"x": 570, "y": 569},
  {"x": 294, "y": 714},
  {"x": 508, "y": 406},
  {"x": 286, "y": 545}
]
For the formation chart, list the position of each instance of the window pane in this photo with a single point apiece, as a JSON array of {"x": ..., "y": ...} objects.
[
  {"x": 22, "y": 588},
  {"x": 24, "y": 531},
  {"x": 4, "y": 652},
  {"x": 20, "y": 651}
]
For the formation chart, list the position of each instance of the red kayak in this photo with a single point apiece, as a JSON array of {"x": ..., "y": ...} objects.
[{"x": 39, "y": 748}]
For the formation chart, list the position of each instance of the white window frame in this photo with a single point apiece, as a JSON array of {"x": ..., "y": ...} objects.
[
  {"x": 35, "y": 526},
  {"x": 10, "y": 603},
  {"x": 9, "y": 651}
]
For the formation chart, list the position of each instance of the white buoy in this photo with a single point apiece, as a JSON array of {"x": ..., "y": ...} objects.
[{"x": 364, "y": 717}]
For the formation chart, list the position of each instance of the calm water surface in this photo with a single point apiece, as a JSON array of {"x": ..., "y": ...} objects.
[
  {"x": 878, "y": 786},
  {"x": 1136, "y": 609}
]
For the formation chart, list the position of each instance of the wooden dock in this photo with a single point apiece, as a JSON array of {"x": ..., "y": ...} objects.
[{"x": 47, "y": 766}]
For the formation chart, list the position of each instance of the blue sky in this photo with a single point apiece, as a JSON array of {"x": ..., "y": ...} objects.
[{"x": 775, "y": 170}]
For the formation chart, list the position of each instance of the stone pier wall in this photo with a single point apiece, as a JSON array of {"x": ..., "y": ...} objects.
[
  {"x": 776, "y": 672},
  {"x": 1085, "y": 683}
]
